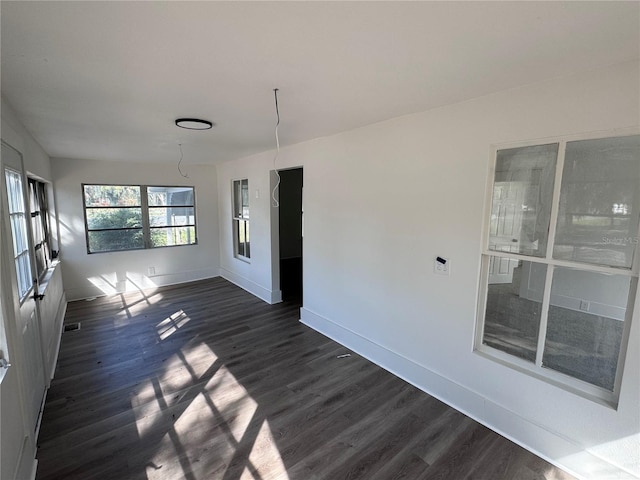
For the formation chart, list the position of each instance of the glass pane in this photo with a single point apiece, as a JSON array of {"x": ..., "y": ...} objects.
[
  {"x": 247, "y": 243},
  {"x": 242, "y": 238},
  {"x": 585, "y": 325},
  {"x": 41, "y": 264},
  {"x": 522, "y": 197},
  {"x": 14, "y": 191},
  {"x": 19, "y": 233},
  {"x": 166, "y": 237},
  {"x": 237, "y": 207},
  {"x": 599, "y": 202},
  {"x": 514, "y": 304},
  {"x": 245, "y": 194},
  {"x": 168, "y": 196},
  {"x": 23, "y": 270},
  {"x": 170, "y": 216},
  {"x": 117, "y": 218},
  {"x": 111, "y": 196},
  {"x": 108, "y": 240}
]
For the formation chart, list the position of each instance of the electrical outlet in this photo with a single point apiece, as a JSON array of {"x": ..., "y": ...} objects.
[
  {"x": 584, "y": 305},
  {"x": 152, "y": 271},
  {"x": 441, "y": 265}
]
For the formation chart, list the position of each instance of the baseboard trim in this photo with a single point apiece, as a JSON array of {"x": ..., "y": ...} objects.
[
  {"x": 557, "y": 450},
  {"x": 62, "y": 311},
  {"x": 269, "y": 296}
]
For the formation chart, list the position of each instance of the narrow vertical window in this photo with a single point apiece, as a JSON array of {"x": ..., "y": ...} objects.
[
  {"x": 242, "y": 244},
  {"x": 560, "y": 267}
]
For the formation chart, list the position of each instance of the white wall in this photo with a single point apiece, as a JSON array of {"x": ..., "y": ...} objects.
[
  {"x": 253, "y": 275},
  {"x": 104, "y": 273},
  {"x": 382, "y": 201}
]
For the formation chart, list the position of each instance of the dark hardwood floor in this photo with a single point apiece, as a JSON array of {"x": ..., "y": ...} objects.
[{"x": 205, "y": 381}]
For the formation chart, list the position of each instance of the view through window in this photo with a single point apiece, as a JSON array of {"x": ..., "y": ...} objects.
[{"x": 128, "y": 217}]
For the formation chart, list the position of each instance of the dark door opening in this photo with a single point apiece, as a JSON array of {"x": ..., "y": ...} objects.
[{"x": 290, "y": 212}]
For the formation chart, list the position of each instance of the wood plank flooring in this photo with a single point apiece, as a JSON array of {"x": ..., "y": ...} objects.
[{"x": 204, "y": 381}]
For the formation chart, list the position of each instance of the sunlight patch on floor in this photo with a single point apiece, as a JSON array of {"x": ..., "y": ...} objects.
[
  {"x": 231, "y": 401},
  {"x": 203, "y": 435},
  {"x": 265, "y": 458},
  {"x": 171, "y": 324},
  {"x": 182, "y": 371}
]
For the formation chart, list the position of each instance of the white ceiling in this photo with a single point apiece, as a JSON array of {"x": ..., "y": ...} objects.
[{"x": 106, "y": 80}]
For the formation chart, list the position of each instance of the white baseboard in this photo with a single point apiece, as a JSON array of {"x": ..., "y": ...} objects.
[
  {"x": 62, "y": 311},
  {"x": 34, "y": 469},
  {"x": 554, "y": 448},
  {"x": 269, "y": 296}
]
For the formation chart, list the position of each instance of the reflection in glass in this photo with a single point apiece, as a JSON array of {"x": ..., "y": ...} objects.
[
  {"x": 242, "y": 239},
  {"x": 514, "y": 305},
  {"x": 522, "y": 197},
  {"x": 585, "y": 325},
  {"x": 167, "y": 237},
  {"x": 171, "y": 216},
  {"x": 170, "y": 196},
  {"x": 599, "y": 202}
]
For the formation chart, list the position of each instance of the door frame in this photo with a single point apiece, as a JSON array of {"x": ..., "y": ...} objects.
[{"x": 274, "y": 182}]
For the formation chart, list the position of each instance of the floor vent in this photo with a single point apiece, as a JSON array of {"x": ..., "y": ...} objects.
[{"x": 70, "y": 327}]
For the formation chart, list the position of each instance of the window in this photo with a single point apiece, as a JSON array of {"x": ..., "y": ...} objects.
[
  {"x": 40, "y": 225},
  {"x": 18, "y": 219},
  {"x": 560, "y": 266},
  {"x": 129, "y": 217},
  {"x": 242, "y": 244}
]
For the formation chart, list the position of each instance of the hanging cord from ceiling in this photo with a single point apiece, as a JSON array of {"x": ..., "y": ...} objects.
[
  {"x": 180, "y": 161},
  {"x": 275, "y": 203}
]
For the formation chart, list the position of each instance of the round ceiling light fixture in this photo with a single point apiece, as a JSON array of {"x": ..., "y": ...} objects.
[{"x": 194, "y": 124}]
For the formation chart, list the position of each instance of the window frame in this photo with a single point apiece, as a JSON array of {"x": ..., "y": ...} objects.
[
  {"x": 145, "y": 227},
  {"x": 535, "y": 369},
  {"x": 39, "y": 194},
  {"x": 239, "y": 219}
]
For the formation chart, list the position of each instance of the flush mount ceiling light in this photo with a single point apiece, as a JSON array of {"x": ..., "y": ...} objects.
[{"x": 194, "y": 123}]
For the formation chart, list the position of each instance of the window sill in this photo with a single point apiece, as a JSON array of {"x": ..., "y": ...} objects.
[
  {"x": 243, "y": 259},
  {"x": 557, "y": 379},
  {"x": 46, "y": 278}
]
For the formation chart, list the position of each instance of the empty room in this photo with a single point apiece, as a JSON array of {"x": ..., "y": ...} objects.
[{"x": 319, "y": 240}]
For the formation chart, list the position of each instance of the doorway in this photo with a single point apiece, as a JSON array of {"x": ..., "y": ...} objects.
[{"x": 291, "y": 233}]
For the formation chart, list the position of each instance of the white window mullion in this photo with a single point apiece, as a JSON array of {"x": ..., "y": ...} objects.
[
  {"x": 555, "y": 206},
  {"x": 544, "y": 315},
  {"x": 146, "y": 228}
]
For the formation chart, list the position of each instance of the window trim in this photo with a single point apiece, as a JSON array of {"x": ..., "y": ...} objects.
[
  {"x": 535, "y": 369},
  {"x": 144, "y": 208}
]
